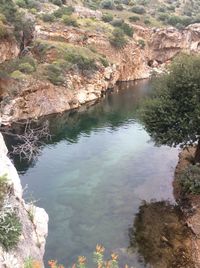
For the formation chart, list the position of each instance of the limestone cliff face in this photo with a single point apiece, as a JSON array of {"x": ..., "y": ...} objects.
[
  {"x": 8, "y": 49},
  {"x": 35, "y": 98},
  {"x": 164, "y": 44},
  {"x": 34, "y": 231}
]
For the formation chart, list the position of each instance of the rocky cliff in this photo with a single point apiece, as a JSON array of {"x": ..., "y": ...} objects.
[
  {"x": 32, "y": 97},
  {"x": 32, "y": 240}
]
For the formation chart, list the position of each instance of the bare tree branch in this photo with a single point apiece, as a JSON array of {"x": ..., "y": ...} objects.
[{"x": 31, "y": 141}]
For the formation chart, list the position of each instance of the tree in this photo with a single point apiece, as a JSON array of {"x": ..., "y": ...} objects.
[
  {"x": 31, "y": 139},
  {"x": 172, "y": 115}
]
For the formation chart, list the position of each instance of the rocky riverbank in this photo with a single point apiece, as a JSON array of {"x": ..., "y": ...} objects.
[
  {"x": 34, "y": 220},
  {"x": 32, "y": 96},
  {"x": 189, "y": 204}
]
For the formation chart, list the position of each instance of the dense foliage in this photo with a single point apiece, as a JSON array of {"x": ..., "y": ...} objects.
[{"x": 172, "y": 115}]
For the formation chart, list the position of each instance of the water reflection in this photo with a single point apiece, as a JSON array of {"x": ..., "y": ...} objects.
[
  {"x": 113, "y": 111},
  {"x": 161, "y": 237}
]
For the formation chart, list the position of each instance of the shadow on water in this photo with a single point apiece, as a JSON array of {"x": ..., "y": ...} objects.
[{"x": 161, "y": 236}]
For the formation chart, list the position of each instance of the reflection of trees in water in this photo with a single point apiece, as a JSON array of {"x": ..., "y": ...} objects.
[
  {"x": 161, "y": 237},
  {"x": 113, "y": 111}
]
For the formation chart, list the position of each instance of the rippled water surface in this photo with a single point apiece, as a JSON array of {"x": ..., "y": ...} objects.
[{"x": 95, "y": 173}]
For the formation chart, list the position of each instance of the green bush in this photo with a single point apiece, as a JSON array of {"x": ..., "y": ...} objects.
[
  {"x": 163, "y": 17},
  {"x": 104, "y": 61},
  {"x": 141, "y": 43},
  {"x": 134, "y": 18},
  {"x": 117, "y": 22},
  {"x": 107, "y": 4},
  {"x": 118, "y": 39},
  {"x": 161, "y": 9},
  {"x": 17, "y": 75},
  {"x": 83, "y": 62},
  {"x": 174, "y": 20},
  {"x": 57, "y": 2},
  {"x": 14, "y": 67},
  {"x": 3, "y": 188},
  {"x": 10, "y": 227},
  {"x": 190, "y": 179},
  {"x": 119, "y": 7},
  {"x": 63, "y": 11},
  {"x": 107, "y": 17},
  {"x": 138, "y": 9},
  {"x": 128, "y": 30},
  {"x": 69, "y": 21},
  {"x": 21, "y": 3},
  {"x": 48, "y": 17},
  {"x": 26, "y": 68},
  {"x": 147, "y": 21},
  {"x": 55, "y": 74},
  {"x": 3, "y": 30}
]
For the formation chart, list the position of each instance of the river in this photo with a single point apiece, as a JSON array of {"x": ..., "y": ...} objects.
[{"x": 92, "y": 177}]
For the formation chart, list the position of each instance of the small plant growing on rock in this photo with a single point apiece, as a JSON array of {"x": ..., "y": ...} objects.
[
  {"x": 190, "y": 179},
  {"x": 141, "y": 43},
  {"x": 10, "y": 226},
  {"x": 3, "y": 187}
]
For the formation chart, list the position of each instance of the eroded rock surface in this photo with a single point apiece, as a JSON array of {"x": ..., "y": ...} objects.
[{"x": 34, "y": 231}]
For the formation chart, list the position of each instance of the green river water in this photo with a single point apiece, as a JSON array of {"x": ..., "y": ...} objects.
[{"x": 92, "y": 177}]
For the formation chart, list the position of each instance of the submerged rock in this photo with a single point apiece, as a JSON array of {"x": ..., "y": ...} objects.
[{"x": 161, "y": 236}]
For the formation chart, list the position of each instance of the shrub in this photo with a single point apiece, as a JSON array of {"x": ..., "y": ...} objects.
[
  {"x": 128, "y": 30},
  {"x": 21, "y": 3},
  {"x": 69, "y": 21},
  {"x": 2, "y": 18},
  {"x": 10, "y": 227},
  {"x": 83, "y": 62},
  {"x": 173, "y": 20},
  {"x": 63, "y": 11},
  {"x": 119, "y": 7},
  {"x": 117, "y": 22},
  {"x": 138, "y": 9},
  {"x": 134, "y": 18},
  {"x": 190, "y": 179},
  {"x": 147, "y": 21},
  {"x": 48, "y": 17},
  {"x": 107, "y": 4},
  {"x": 55, "y": 74},
  {"x": 118, "y": 39},
  {"x": 26, "y": 68},
  {"x": 24, "y": 64},
  {"x": 161, "y": 9},
  {"x": 163, "y": 17},
  {"x": 57, "y": 2},
  {"x": 141, "y": 43},
  {"x": 3, "y": 30},
  {"x": 104, "y": 61},
  {"x": 3, "y": 188},
  {"x": 17, "y": 75},
  {"x": 107, "y": 17}
]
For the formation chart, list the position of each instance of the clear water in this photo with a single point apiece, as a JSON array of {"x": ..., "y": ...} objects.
[{"x": 94, "y": 175}]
